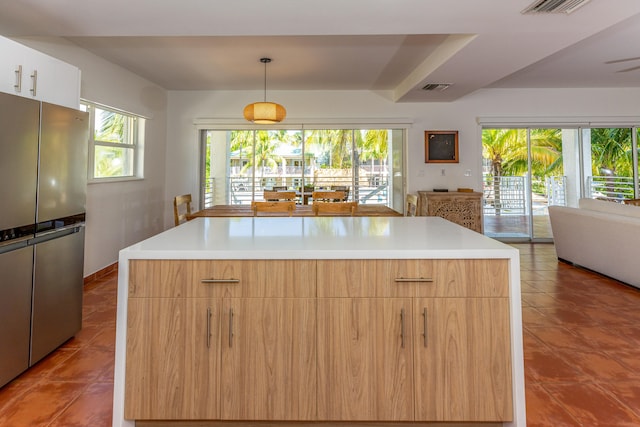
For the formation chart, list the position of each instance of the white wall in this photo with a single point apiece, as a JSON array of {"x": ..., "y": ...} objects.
[
  {"x": 185, "y": 106},
  {"x": 121, "y": 213}
]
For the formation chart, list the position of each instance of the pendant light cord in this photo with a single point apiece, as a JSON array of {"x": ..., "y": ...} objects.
[{"x": 265, "y": 61}]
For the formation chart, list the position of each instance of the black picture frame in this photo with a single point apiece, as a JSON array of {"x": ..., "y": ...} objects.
[{"x": 441, "y": 146}]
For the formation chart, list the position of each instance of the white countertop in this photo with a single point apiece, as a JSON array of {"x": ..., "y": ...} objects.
[{"x": 318, "y": 238}]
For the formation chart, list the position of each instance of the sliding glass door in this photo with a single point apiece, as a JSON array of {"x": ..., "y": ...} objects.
[
  {"x": 523, "y": 173},
  {"x": 527, "y": 169}
]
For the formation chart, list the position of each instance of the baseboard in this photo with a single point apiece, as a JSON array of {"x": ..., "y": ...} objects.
[{"x": 101, "y": 273}]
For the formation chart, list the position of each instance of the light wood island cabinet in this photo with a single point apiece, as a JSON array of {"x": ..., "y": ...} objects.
[
  {"x": 221, "y": 343},
  {"x": 318, "y": 322},
  {"x": 318, "y": 340},
  {"x": 414, "y": 340}
]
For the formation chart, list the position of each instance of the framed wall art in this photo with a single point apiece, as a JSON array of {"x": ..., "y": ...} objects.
[{"x": 441, "y": 146}]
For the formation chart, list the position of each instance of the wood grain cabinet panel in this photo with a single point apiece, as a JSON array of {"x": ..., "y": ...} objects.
[
  {"x": 365, "y": 360},
  {"x": 269, "y": 359},
  {"x": 152, "y": 278},
  {"x": 260, "y": 341},
  {"x": 374, "y": 278},
  {"x": 217, "y": 352},
  {"x": 455, "y": 317},
  {"x": 253, "y": 278},
  {"x": 171, "y": 373},
  {"x": 463, "y": 359}
]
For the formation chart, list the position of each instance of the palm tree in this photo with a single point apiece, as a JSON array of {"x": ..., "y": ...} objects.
[
  {"x": 497, "y": 147},
  {"x": 611, "y": 149},
  {"x": 110, "y": 161},
  {"x": 507, "y": 151},
  {"x": 612, "y": 156}
]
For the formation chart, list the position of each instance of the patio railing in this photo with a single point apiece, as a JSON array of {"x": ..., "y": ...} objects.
[
  {"x": 610, "y": 187},
  {"x": 508, "y": 195}
]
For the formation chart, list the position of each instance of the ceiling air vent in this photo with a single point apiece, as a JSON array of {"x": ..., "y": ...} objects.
[
  {"x": 437, "y": 86},
  {"x": 554, "y": 6}
]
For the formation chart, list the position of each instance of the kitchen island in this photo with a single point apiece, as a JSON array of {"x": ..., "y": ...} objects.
[{"x": 319, "y": 321}]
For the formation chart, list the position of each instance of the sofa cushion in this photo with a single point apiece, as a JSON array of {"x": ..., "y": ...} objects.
[{"x": 609, "y": 207}]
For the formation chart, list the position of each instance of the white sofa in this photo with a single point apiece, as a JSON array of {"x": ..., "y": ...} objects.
[{"x": 601, "y": 236}]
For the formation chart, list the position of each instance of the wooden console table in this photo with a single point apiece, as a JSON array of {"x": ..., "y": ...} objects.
[{"x": 459, "y": 207}]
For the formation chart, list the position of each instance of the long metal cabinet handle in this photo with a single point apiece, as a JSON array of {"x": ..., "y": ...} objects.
[
  {"x": 230, "y": 327},
  {"x": 402, "y": 327},
  {"x": 414, "y": 279},
  {"x": 424, "y": 326},
  {"x": 18, "y": 85},
  {"x": 209, "y": 327},
  {"x": 220, "y": 281},
  {"x": 34, "y": 82}
]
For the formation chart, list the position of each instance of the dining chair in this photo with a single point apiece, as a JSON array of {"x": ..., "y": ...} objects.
[
  {"x": 181, "y": 208},
  {"x": 273, "y": 196},
  {"x": 343, "y": 188},
  {"x": 273, "y": 207},
  {"x": 327, "y": 196},
  {"x": 412, "y": 205},
  {"x": 334, "y": 208}
]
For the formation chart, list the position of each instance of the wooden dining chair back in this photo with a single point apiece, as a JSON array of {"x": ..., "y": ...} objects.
[
  {"x": 287, "y": 207},
  {"x": 344, "y": 189},
  {"x": 334, "y": 208},
  {"x": 181, "y": 208},
  {"x": 328, "y": 196},
  {"x": 412, "y": 205},
  {"x": 273, "y": 196}
]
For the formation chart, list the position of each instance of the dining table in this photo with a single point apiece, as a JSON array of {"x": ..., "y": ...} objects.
[{"x": 301, "y": 210}]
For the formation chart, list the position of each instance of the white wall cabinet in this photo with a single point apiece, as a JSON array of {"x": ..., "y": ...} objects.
[{"x": 32, "y": 74}]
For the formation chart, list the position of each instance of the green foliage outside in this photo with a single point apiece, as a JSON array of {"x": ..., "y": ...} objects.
[
  {"x": 111, "y": 161},
  {"x": 332, "y": 148},
  {"x": 507, "y": 151}
]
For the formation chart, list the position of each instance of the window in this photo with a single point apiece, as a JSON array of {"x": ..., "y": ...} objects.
[
  {"x": 115, "y": 143},
  {"x": 368, "y": 164}
]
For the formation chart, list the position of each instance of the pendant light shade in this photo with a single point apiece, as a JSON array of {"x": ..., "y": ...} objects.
[{"x": 265, "y": 112}]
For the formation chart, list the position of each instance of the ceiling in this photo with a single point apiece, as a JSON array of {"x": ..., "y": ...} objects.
[{"x": 394, "y": 47}]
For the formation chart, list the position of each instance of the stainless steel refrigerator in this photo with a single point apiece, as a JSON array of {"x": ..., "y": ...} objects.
[{"x": 43, "y": 172}]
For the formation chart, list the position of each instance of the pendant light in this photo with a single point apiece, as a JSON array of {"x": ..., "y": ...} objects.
[{"x": 265, "y": 112}]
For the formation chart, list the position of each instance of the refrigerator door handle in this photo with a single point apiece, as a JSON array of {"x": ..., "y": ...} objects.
[
  {"x": 57, "y": 233},
  {"x": 12, "y": 245}
]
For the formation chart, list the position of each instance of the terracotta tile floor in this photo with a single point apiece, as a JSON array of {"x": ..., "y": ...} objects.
[
  {"x": 73, "y": 386},
  {"x": 581, "y": 346}
]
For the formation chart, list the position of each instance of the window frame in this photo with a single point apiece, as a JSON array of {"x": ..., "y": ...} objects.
[{"x": 134, "y": 142}]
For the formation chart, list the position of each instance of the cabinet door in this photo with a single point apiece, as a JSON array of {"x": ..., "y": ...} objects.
[
  {"x": 366, "y": 278},
  {"x": 365, "y": 359},
  {"x": 463, "y": 359},
  {"x": 269, "y": 359},
  {"x": 54, "y": 81},
  {"x": 172, "y": 359}
]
